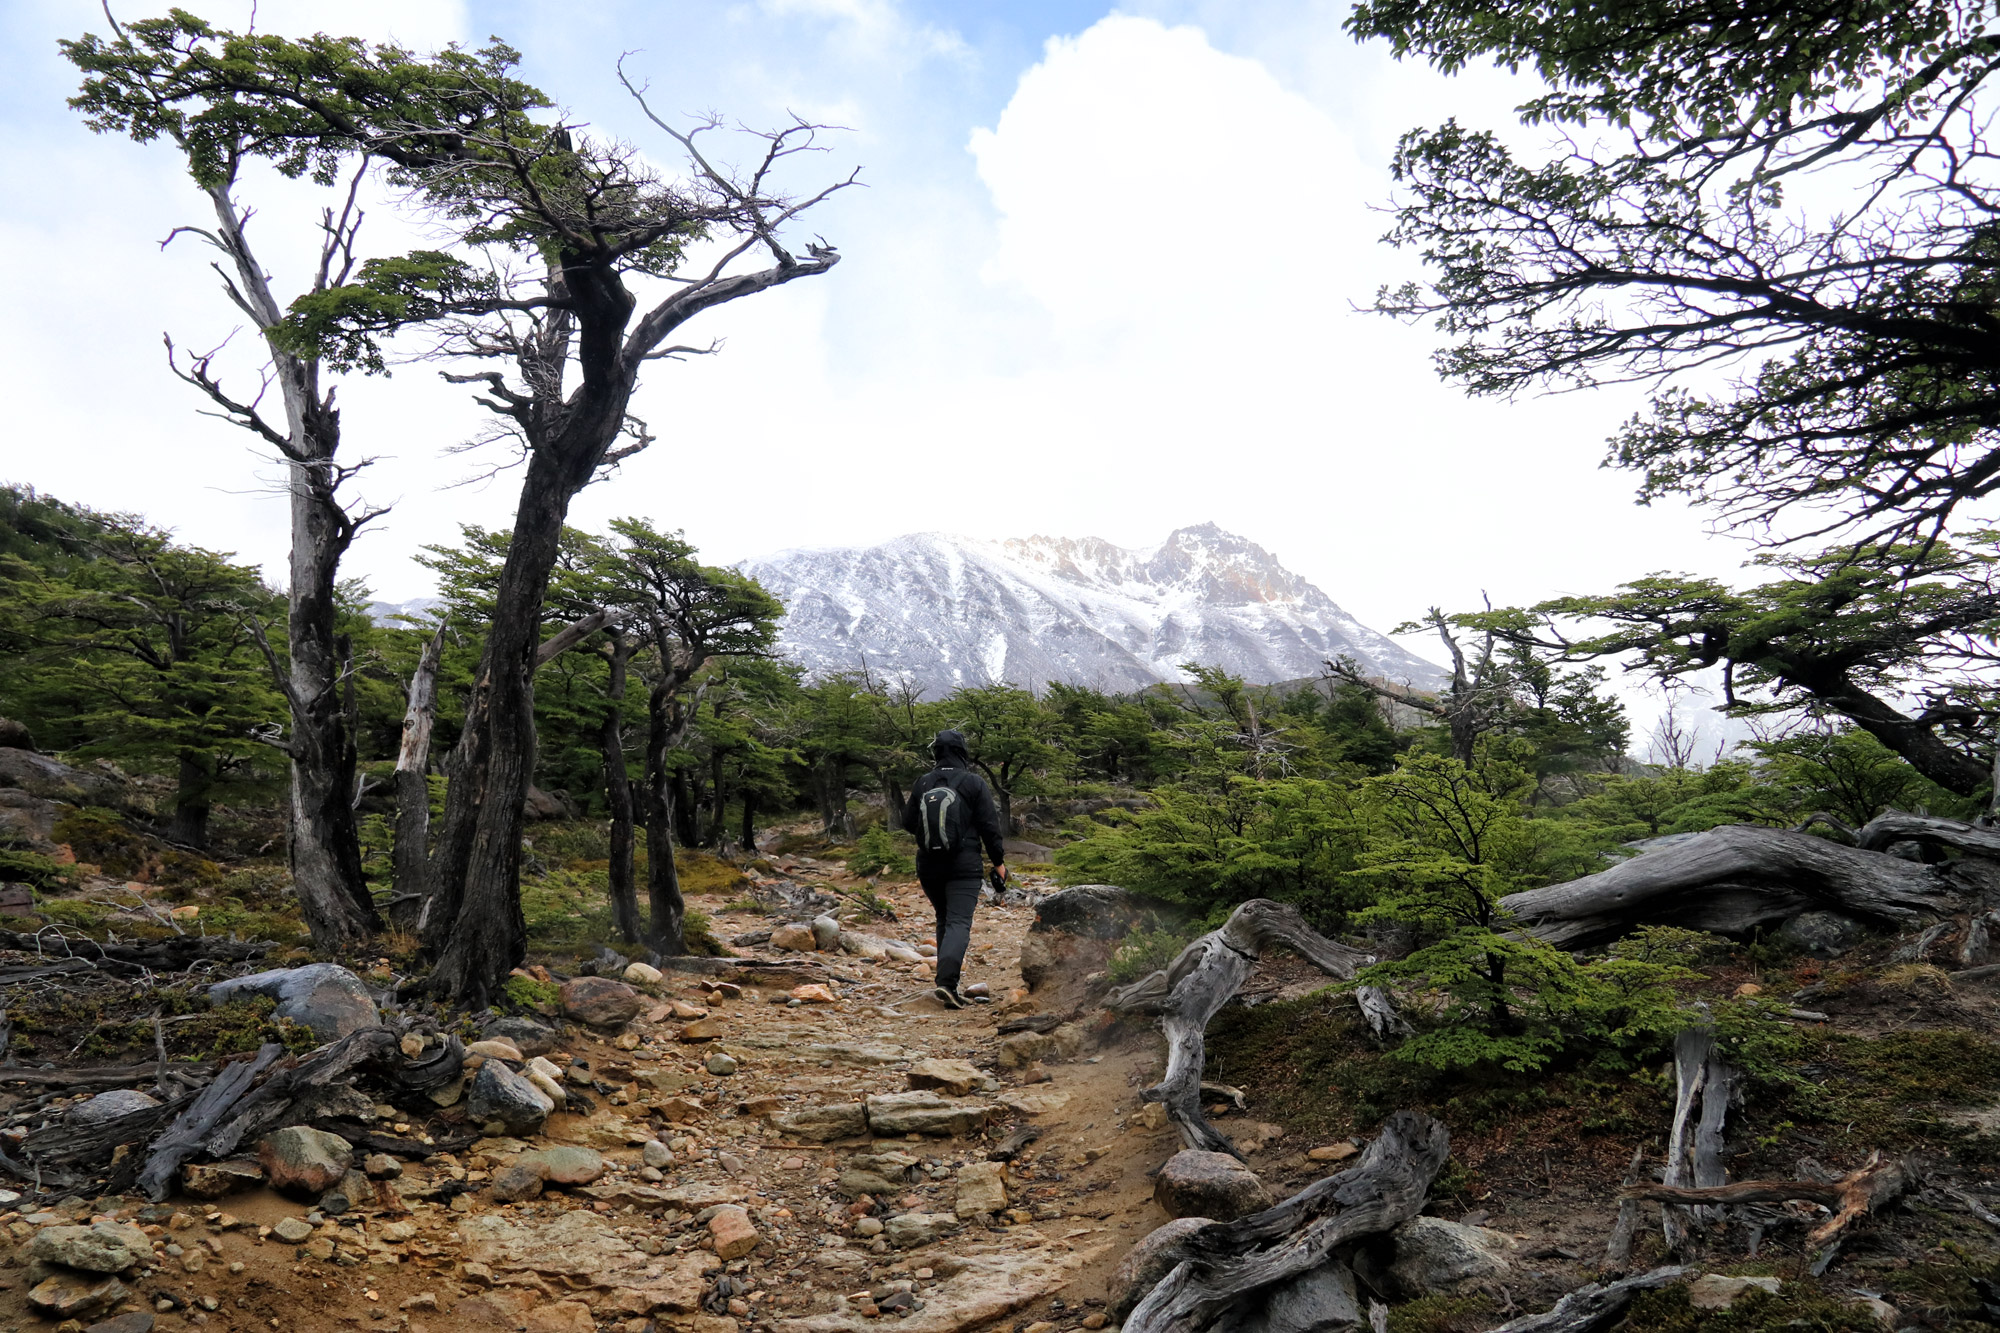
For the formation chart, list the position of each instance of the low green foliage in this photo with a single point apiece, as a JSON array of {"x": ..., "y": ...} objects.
[
  {"x": 34, "y": 869},
  {"x": 101, "y": 838},
  {"x": 1800, "y": 1305},
  {"x": 1143, "y": 952},
  {"x": 879, "y": 852},
  {"x": 531, "y": 994}
]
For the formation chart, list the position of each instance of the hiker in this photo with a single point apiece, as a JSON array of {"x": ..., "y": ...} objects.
[{"x": 951, "y": 812}]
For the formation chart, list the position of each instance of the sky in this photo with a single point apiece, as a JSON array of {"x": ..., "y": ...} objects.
[{"x": 1103, "y": 276}]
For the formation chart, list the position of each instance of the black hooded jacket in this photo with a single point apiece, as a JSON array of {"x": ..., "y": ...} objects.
[{"x": 983, "y": 827}]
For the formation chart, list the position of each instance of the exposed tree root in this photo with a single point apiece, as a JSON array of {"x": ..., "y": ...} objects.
[{"x": 1875, "y": 1183}]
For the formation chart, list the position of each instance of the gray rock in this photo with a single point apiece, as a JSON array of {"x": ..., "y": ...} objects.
[
  {"x": 292, "y": 1230},
  {"x": 110, "y": 1105},
  {"x": 1319, "y": 1300},
  {"x": 600, "y": 1002},
  {"x": 302, "y": 1161},
  {"x": 1433, "y": 1255},
  {"x": 909, "y": 1230},
  {"x": 564, "y": 1164},
  {"x": 1714, "y": 1291},
  {"x": 1149, "y": 1261},
  {"x": 529, "y": 1037},
  {"x": 40, "y": 775},
  {"x": 854, "y": 1184},
  {"x": 823, "y": 1124},
  {"x": 134, "y": 1321},
  {"x": 956, "y": 1077},
  {"x": 499, "y": 1094},
  {"x": 76, "y": 1296},
  {"x": 28, "y": 821},
  {"x": 721, "y": 1065},
  {"x": 656, "y": 1155},
  {"x": 353, "y": 1190},
  {"x": 1821, "y": 934},
  {"x": 334, "y": 1101},
  {"x": 1209, "y": 1184},
  {"x": 214, "y": 1180},
  {"x": 325, "y": 997},
  {"x": 826, "y": 932},
  {"x": 108, "y": 1247},
  {"x": 925, "y": 1113},
  {"x": 517, "y": 1183}
]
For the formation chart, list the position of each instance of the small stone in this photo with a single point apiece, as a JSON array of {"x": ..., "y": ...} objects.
[
  {"x": 518, "y": 1183},
  {"x": 412, "y": 1045},
  {"x": 721, "y": 1065},
  {"x": 564, "y": 1165},
  {"x": 1332, "y": 1152},
  {"x": 109, "y": 1106},
  {"x": 982, "y": 1188},
  {"x": 812, "y": 993},
  {"x": 656, "y": 1154},
  {"x": 1434, "y": 1255},
  {"x": 732, "y": 1233},
  {"x": 495, "y": 1048},
  {"x": 868, "y": 1226},
  {"x": 529, "y": 1037},
  {"x": 1208, "y": 1184},
  {"x": 686, "y": 1012},
  {"x": 825, "y": 932},
  {"x": 795, "y": 938},
  {"x": 822, "y": 1124},
  {"x": 924, "y": 1113},
  {"x": 1095, "y": 1319},
  {"x": 292, "y": 1230},
  {"x": 381, "y": 1166},
  {"x": 423, "y": 1300},
  {"x": 300, "y": 1160},
  {"x": 626, "y": 1041},
  {"x": 705, "y": 1029},
  {"x": 76, "y": 1295},
  {"x": 908, "y": 1230},
  {"x": 957, "y": 1077},
  {"x": 1040, "y": 1326},
  {"x": 499, "y": 1094},
  {"x": 214, "y": 1180},
  {"x": 643, "y": 974}
]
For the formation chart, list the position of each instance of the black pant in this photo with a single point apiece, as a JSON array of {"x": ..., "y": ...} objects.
[{"x": 952, "y": 901}]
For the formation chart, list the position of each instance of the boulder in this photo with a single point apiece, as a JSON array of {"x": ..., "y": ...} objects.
[
  {"x": 982, "y": 1189},
  {"x": 825, "y": 932},
  {"x": 1147, "y": 1262},
  {"x": 600, "y": 1002},
  {"x": 15, "y": 735},
  {"x": 529, "y": 1037},
  {"x": 643, "y": 974},
  {"x": 303, "y": 1161},
  {"x": 110, "y": 1105},
  {"x": 924, "y": 1113},
  {"x": 28, "y": 821},
  {"x": 325, "y": 997},
  {"x": 909, "y": 1230},
  {"x": 539, "y": 804},
  {"x": 1433, "y": 1255},
  {"x": 1215, "y": 1185},
  {"x": 215, "y": 1180},
  {"x": 39, "y": 775},
  {"x": 108, "y": 1247},
  {"x": 1025, "y": 1048},
  {"x": 1821, "y": 934},
  {"x": 795, "y": 937},
  {"x": 957, "y": 1077},
  {"x": 76, "y": 1296},
  {"x": 1319, "y": 1300},
  {"x": 823, "y": 1124},
  {"x": 1713, "y": 1291},
  {"x": 498, "y": 1094}
]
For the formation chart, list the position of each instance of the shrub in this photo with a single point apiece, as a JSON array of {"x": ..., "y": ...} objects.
[
  {"x": 1145, "y": 952},
  {"x": 879, "y": 852}
]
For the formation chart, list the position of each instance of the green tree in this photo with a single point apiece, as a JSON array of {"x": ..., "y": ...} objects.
[{"x": 1009, "y": 736}]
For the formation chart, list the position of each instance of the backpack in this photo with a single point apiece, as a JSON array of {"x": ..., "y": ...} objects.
[{"x": 941, "y": 818}]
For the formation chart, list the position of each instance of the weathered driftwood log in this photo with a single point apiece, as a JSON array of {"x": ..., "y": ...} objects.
[
  {"x": 1618, "y": 1249},
  {"x": 1378, "y": 1011},
  {"x": 1893, "y": 826},
  {"x": 1187, "y": 993},
  {"x": 1588, "y": 1309},
  {"x": 1223, "y": 1270},
  {"x": 265, "y": 1108},
  {"x": 189, "y": 1131},
  {"x": 1861, "y": 1191},
  {"x": 1732, "y": 880}
]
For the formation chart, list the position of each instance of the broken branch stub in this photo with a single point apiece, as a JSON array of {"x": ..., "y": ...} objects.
[
  {"x": 1872, "y": 1185},
  {"x": 1188, "y": 992}
]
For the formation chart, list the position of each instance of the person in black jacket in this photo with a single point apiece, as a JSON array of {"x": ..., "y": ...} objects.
[{"x": 950, "y": 826}]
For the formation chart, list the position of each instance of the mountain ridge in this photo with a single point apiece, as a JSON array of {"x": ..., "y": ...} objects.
[{"x": 940, "y": 611}]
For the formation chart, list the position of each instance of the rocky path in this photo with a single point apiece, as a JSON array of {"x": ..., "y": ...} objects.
[{"x": 814, "y": 1147}]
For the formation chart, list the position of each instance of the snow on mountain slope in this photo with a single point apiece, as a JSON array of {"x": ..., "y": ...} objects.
[{"x": 943, "y": 611}]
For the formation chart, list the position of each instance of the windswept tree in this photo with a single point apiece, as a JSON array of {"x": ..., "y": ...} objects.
[
  {"x": 548, "y": 228},
  {"x": 152, "y": 80},
  {"x": 1780, "y": 215}
]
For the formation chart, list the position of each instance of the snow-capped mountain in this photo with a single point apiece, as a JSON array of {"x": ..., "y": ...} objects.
[{"x": 942, "y": 611}]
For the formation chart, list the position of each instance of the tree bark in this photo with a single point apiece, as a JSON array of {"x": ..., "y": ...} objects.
[
  {"x": 409, "y": 875},
  {"x": 1188, "y": 992},
  {"x": 668, "y": 910},
  {"x": 1591, "y": 1308},
  {"x": 618, "y": 794},
  {"x": 194, "y": 785}
]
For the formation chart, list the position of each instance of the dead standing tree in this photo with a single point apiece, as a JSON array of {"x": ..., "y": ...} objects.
[
  {"x": 1473, "y": 702},
  {"x": 146, "y": 82}
]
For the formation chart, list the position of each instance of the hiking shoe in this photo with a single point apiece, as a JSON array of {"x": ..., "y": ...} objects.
[{"x": 949, "y": 999}]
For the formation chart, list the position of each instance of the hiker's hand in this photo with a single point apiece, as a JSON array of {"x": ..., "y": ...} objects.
[{"x": 1000, "y": 871}]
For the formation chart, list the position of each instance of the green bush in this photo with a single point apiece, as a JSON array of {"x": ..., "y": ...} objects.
[
  {"x": 101, "y": 838},
  {"x": 1145, "y": 952},
  {"x": 879, "y": 852}
]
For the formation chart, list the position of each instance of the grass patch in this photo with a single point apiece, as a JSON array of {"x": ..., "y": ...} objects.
[
  {"x": 1900, "y": 1086},
  {"x": 703, "y": 873},
  {"x": 1795, "y": 1306}
]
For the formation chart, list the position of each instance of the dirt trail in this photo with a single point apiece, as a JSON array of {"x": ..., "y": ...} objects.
[{"x": 634, "y": 1247}]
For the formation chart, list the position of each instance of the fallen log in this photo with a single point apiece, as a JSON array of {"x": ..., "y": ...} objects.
[
  {"x": 172, "y": 955},
  {"x": 1224, "y": 1266},
  {"x": 1588, "y": 1309},
  {"x": 1861, "y": 1191},
  {"x": 1734, "y": 880},
  {"x": 1188, "y": 992},
  {"x": 265, "y": 1108},
  {"x": 188, "y": 1132},
  {"x": 120, "y": 1076}
]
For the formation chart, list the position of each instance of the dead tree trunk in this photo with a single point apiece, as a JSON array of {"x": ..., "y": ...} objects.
[
  {"x": 618, "y": 790},
  {"x": 1733, "y": 880},
  {"x": 1187, "y": 994},
  {"x": 1227, "y": 1269},
  {"x": 413, "y": 793}
]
